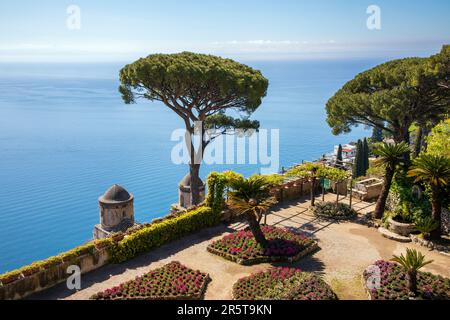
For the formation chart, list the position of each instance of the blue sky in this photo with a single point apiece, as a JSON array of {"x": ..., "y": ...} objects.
[{"x": 250, "y": 29}]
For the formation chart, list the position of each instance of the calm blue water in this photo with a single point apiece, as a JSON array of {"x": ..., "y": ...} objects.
[{"x": 66, "y": 136}]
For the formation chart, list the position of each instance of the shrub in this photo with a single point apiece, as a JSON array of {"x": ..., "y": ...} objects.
[
  {"x": 283, "y": 245},
  {"x": 394, "y": 286},
  {"x": 10, "y": 276},
  {"x": 331, "y": 210},
  {"x": 103, "y": 243},
  {"x": 273, "y": 180},
  {"x": 425, "y": 225},
  {"x": 147, "y": 237},
  {"x": 282, "y": 284},
  {"x": 171, "y": 282},
  {"x": 30, "y": 269},
  {"x": 160, "y": 233},
  {"x": 304, "y": 171},
  {"x": 73, "y": 254}
]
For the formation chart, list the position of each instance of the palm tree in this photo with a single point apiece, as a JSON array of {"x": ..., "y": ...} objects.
[
  {"x": 251, "y": 197},
  {"x": 389, "y": 156},
  {"x": 412, "y": 263},
  {"x": 435, "y": 171}
]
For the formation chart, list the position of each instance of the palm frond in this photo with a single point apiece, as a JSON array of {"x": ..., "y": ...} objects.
[
  {"x": 431, "y": 169},
  {"x": 413, "y": 261}
]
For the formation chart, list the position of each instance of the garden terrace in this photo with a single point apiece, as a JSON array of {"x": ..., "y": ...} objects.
[{"x": 336, "y": 260}]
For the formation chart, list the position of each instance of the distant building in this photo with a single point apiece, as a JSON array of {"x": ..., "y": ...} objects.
[{"x": 348, "y": 151}]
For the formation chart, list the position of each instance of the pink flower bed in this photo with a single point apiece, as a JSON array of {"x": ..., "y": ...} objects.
[
  {"x": 284, "y": 245},
  {"x": 171, "y": 282},
  {"x": 282, "y": 284},
  {"x": 393, "y": 285}
]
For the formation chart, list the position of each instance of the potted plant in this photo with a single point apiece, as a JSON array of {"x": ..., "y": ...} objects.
[{"x": 402, "y": 221}]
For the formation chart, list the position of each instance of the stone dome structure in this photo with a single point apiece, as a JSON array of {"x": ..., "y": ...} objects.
[
  {"x": 116, "y": 212},
  {"x": 115, "y": 194},
  {"x": 185, "y": 193}
]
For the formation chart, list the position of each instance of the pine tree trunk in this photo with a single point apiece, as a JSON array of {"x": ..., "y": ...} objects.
[
  {"x": 403, "y": 136},
  {"x": 436, "y": 212},
  {"x": 256, "y": 230},
  {"x": 195, "y": 183},
  {"x": 418, "y": 141},
  {"x": 381, "y": 202}
]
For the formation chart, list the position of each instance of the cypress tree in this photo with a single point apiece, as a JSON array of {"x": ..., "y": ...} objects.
[
  {"x": 339, "y": 156},
  {"x": 377, "y": 135},
  {"x": 365, "y": 158},
  {"x": 358, "y": 164}
]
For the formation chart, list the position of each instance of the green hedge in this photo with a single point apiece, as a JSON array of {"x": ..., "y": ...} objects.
[
  {"x": 68, "y": 257},
  {"x": 160, "y": 233}
]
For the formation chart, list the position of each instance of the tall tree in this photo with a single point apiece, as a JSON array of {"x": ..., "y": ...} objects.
[
  {"x": 377, "y": 134},
  {"x": 389, "y": 156},
  {"x": 339, "y": 157},
  {"x": 433, "y": 170},
  {"x": 438, "y": 142},
  {"x": 358, "y": 162},
  {"x": 199, "y": 89},
  {"x": 365, "y": 158},
  {"x": 439, "y": 65},
  {"x": 394, "y": 95}
]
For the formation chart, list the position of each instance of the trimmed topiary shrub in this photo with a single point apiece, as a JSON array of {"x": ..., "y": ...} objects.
[
  {"x": 157, "y": 234},
  {"x": 331, "y": 210},
  {"x": 282, "y": 284},
  {"x": 171, "y": 282},
  {"x": 393, "y": 284},
  {"x": 241, "y": 246}
]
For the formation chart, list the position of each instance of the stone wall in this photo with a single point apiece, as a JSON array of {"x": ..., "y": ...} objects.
[{"x": 47, "y": 278}]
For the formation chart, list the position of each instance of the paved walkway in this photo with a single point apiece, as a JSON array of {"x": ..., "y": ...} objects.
[{"x": 346, "y": 249}]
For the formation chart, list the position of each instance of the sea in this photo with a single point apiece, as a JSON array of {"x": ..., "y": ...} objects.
[{"x": 66, "y": 136}]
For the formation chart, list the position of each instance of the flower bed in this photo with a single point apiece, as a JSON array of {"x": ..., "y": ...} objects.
[
  {"x": 171, "y": 282},
  {"x": 282, "y": 284},
  {"x": 284, "y": 245},
  {"x": 334, "y": 211},
  {"x": 394, "y": 285}
]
